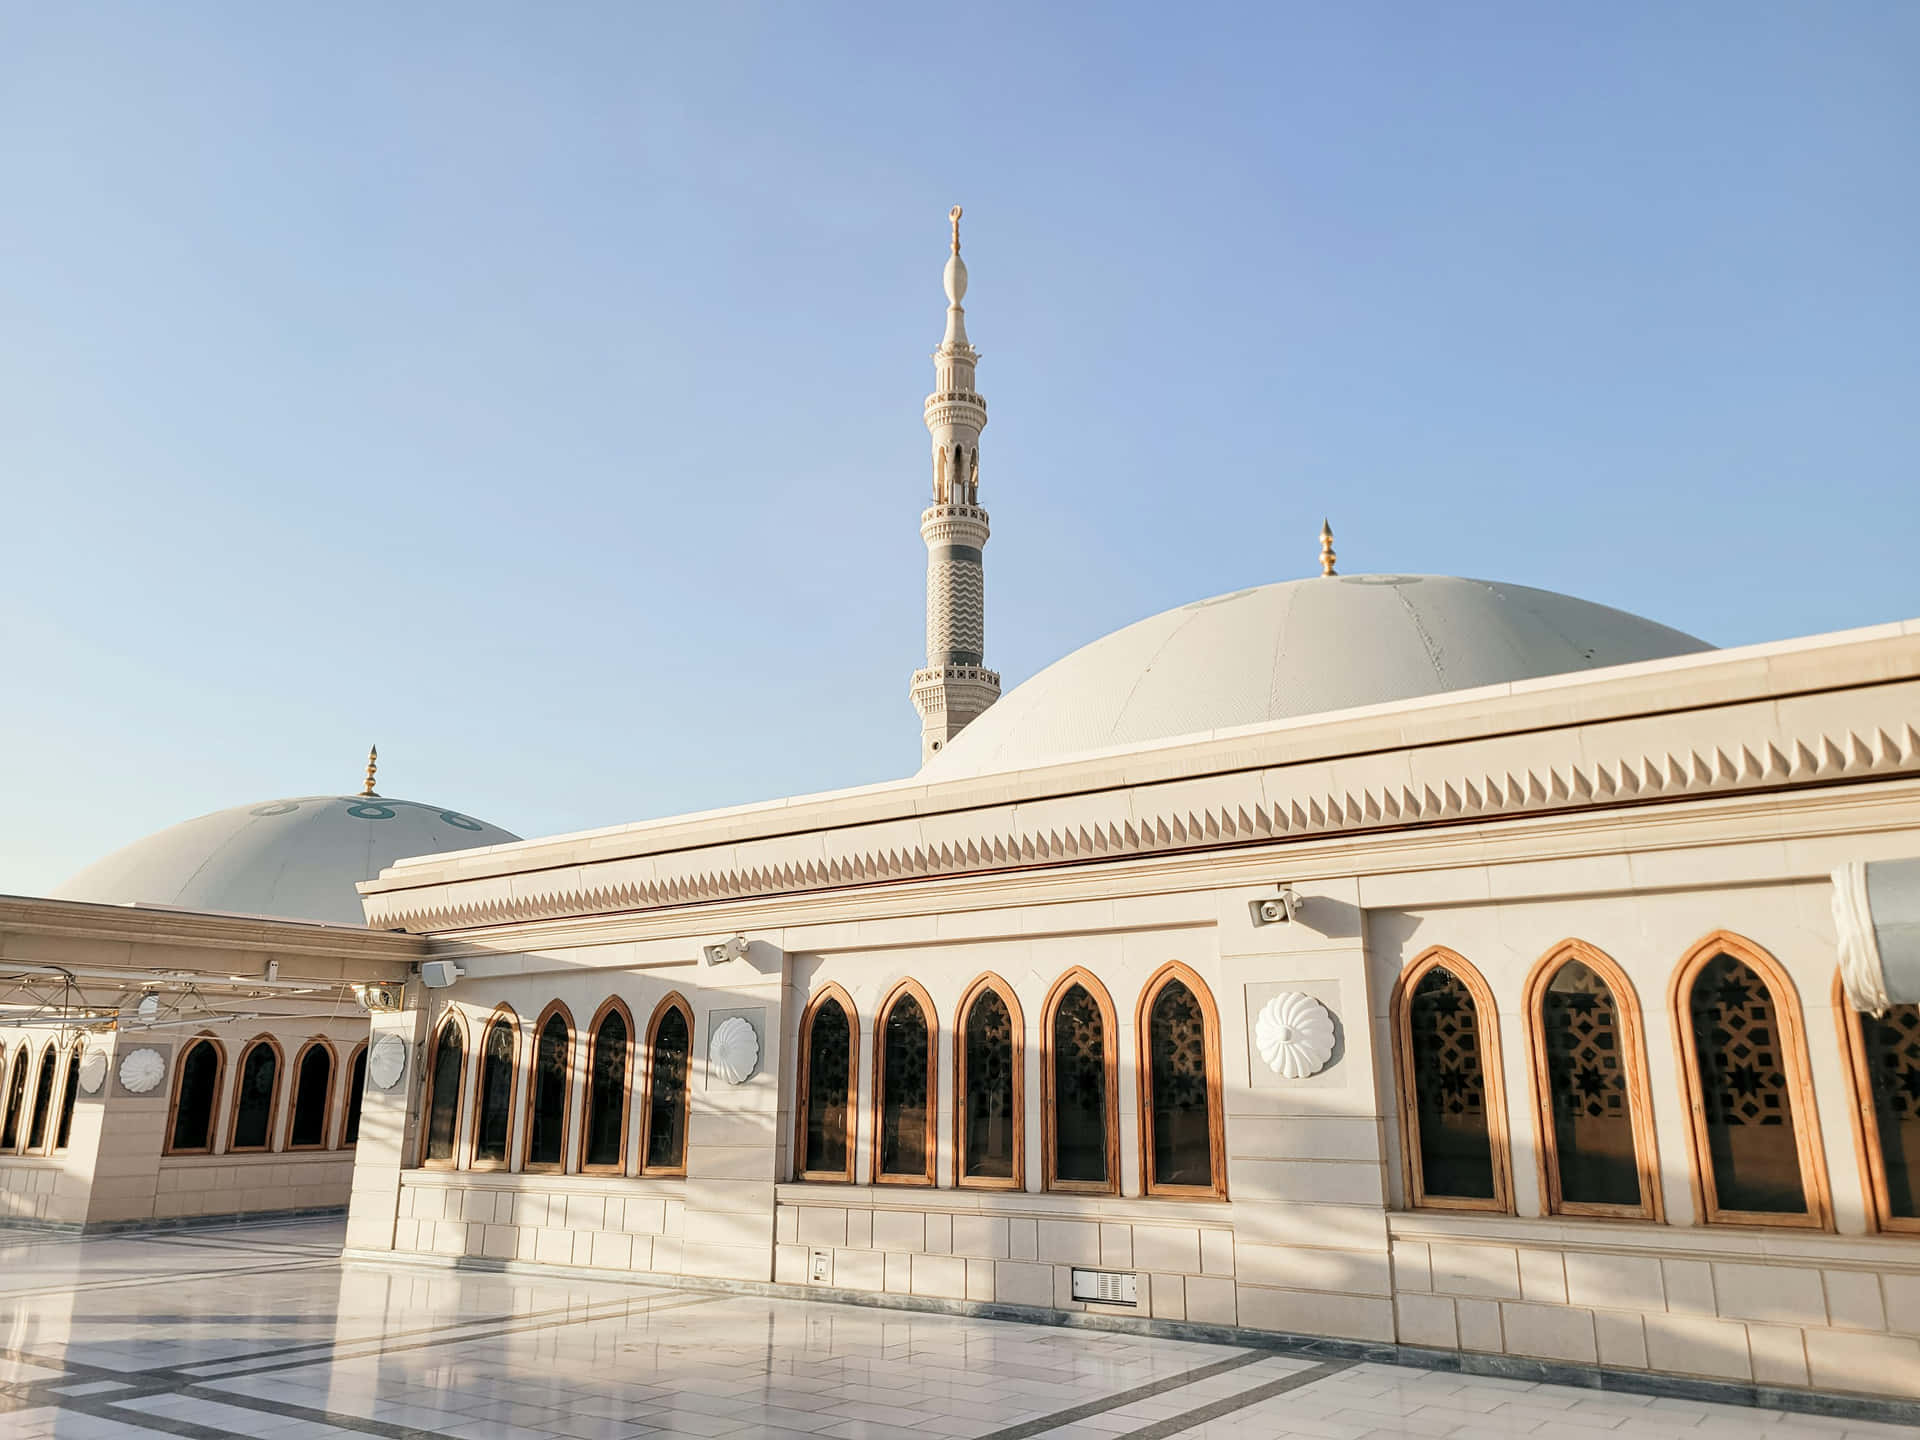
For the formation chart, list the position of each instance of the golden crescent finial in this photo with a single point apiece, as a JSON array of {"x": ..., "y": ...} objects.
[
  {"x": 954, "y": 216},
  {"x": 373, "y": 759},
  {"x": 1326, "y": 548}
]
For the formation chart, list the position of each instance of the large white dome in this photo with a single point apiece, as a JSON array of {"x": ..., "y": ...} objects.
[
  {"x": 1301, "y": 647},
  {"x": 297, "y": 859}
]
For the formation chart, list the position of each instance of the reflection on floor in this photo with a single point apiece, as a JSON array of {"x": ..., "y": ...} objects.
[{"x": 258, "y": 1331}]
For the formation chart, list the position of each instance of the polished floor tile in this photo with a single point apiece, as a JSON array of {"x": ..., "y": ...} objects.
[{"x": 259, "y": 1331}]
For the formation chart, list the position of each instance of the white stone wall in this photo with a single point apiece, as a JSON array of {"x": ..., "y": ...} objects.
[
  {"x": 717, "y": 1220},
  {"x": 1774, "y": 1308},
  {"x": 1010, "y": 1249},
  {"x": 115, "y": 1169}
]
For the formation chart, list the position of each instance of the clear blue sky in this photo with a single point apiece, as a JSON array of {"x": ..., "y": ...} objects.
[{"x": 536, "y": 389}]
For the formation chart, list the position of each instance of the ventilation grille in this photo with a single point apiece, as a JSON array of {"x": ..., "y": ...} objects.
[{"x": 1106, "y": 1287}]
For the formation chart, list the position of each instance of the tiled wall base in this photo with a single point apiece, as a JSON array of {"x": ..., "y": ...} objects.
[
  {"x": 173, "y": 1222},
  {"x": 1592, "y": 1377}
]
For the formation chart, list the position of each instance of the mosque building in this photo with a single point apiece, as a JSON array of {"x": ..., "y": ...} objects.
[{"x": 1442, "y": 966}]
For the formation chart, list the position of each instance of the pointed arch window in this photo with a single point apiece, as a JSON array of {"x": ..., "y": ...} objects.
[
  {"x": 256, "y": 1094},
  {"x": 829, "y": 1050},
  {"x": 1453, "y": 1118},
  {"x": 356, "y": 1096},
  {"x": 42, "y": 1099},
  {"x": 549, "y": 1091},
  {"x": 70, "y": 1095},
  {"x": 603, "y": 1142},
  {"x": 988, "y": 1081},
  {"x": 493, "y": 1101},
  {"x": 1883, "y": 1053},
  {"x": 1182, "y": 1133},
  {"x": 445, "y": 1077},
  {"x": 196, "y": 1090},
  {"x": 906, "y": 1058},
  {"x": 1594, "y": 1119},
  {"x": 663, "y": 1148},
  {"x": 16, "y": 1100},
  {"x": 1756, "y": 1146},
  {"x": 1079, "y": 1073},
  {"x": 312, "y": 1096}
]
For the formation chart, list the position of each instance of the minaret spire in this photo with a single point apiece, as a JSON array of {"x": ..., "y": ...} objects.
[{"x": 955, "y": 686}]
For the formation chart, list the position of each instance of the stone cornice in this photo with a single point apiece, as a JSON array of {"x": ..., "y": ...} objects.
[
  {"x": 142, "y": 925},
  {"x": 1858, "y": 729},
  {"x": 858, "y": 917}
]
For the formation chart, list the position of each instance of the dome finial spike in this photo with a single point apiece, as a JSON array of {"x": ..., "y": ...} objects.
[
  {"x": 373, "y": 759},
  {"x": 954, "y": 216},
  {"x": 1326, "y": 548}
]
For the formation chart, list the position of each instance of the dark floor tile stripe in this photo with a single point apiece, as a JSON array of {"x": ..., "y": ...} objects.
[
  {"x": 1042, "y": 1423},
  {"x": 1226, "y": 1405}
]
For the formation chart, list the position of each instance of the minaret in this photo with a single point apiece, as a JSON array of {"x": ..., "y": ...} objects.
[{"x": 955, "y": 686}]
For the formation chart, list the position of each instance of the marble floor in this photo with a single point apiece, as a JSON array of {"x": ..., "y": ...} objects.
[{"x": 260, "y": 1331}]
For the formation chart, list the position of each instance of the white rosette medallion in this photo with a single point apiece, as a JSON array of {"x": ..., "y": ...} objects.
[
  {"x": 734, "y": 1051},
  {"x": 142, "y": 1070},
  {"x": 1294, "y": 1034},
  {"x": 93, "y": 1073},
  {"x": 387, "y": 1061}
]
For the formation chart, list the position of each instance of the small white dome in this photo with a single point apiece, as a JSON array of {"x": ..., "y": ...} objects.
[
  {"x": 294, "y": 859},
  {"x": 1301, "y": 647}
]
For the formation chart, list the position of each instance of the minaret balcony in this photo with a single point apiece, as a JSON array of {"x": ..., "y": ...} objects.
[{"x": 956, "y": 407}]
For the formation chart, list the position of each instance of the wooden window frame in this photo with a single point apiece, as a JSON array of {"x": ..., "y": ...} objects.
[
  {"x": 589, "y": 1039},
  {"x": 570, "y": 1073},
  {"x": 672, "y": 1000},
  {"x": 1794, "y": 1066},
  {"x": 459, "y": 1022},
  {"x": 1216, "y": 1188},
  {"x": 1486, "y": 1019},
  {"x": 69, "y": 1078},
  {"x": 173, "y": 1103},
  {"x": 1866, "y": 1124},
  {"x": 49, "y": 1066},
  {"x": 516, "y": 1064},
  {"x": 273, "y": 1100},
  {"x": 1633, "y": 1058},
  {"x": 932, "y": 1019},
  {"x": 1110, "y": 1028},
  {"x": 346, "y": 1098},
  {"x": 803, "y": 1091},
  {"x": 293, "y": 1094},
  {"x": 1018, "y": 1180},
  {"x": 21, "y": 1062}
]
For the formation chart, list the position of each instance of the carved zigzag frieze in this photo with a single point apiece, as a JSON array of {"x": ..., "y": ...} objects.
[{"x": 1182, "y": 826}]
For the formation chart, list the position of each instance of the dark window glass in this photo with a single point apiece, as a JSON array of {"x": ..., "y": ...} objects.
[
  {"x": 607, "y": 1091},
  {"x": 903, "y": 1089},
  {"x": 356, "y": 1093},
  {"x": 496, "y": 1094},
  {"x": 547, "y": 1117},
  {"x": 1743, "y": 1091},
  {"x": 1182, "y": 1123},
  {"x": 1587, "y": 1084},
  {"x": 667, "y": 1094},
  {"x": 42, "y": 1101},
  {"x": 829, "y": 1062},
  {"x": 1893, "y": 1066},
  {"x": 1079, "y": 1089},
  {"x": 16, "y": 1096},
  {"x": 199, "y": 1084},
  {"x": 253, "y": 1100},
  {"x": 989, "y": 1099},
  {"x": 1456, "y": 1145},
  {"x": 310, "y": 1086},
  {"x": 63, "y": 1132},
  {"x": 448, "y": 1057}
]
